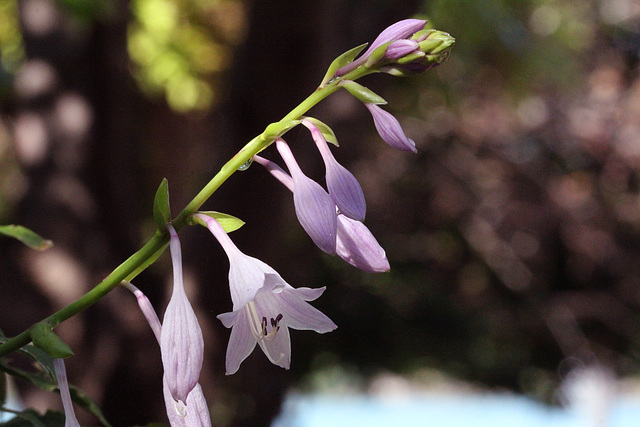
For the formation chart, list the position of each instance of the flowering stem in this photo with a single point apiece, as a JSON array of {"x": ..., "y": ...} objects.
[{"x": 161, "y": 237}]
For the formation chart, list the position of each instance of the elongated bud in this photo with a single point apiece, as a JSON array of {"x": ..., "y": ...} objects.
[
  {"x": 315, "y": 209},
  {"x": 181, "y": 342},
  {"x": 390, "y": 130},
  {"x": 344, "y": 188}
]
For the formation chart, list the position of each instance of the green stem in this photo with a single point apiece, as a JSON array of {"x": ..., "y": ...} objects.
[{"x": 160, "y": 238}]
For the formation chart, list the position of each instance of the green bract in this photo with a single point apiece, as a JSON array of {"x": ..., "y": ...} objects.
[
  {"x": 26, "y": 236},
  {"x": 44, "y": 338},
  {"x": 161, "y": 209},
  {"x": 228, "y": 222},
  {"x": 340, "y": 62},
  {"x": 327, "y": 132},
  {"x": 362, "y": 93}
]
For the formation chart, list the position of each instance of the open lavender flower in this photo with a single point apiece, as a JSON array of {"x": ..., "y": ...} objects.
[
  {"x": 343, "y": 187},
  {"x": 264, "y": 307},
  {"x": 354, "y": 242},
  {"x": 315, "y": 208},
  {"x": 390, "y": 130},
  {"x": 70, "y": 419},
  {"x": 181, "y": 342},
  {"x": 400, "y": 30}
]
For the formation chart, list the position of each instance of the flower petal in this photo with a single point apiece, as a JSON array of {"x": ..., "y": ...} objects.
[
  {"x": 241, "y": 342},
  {"x": 277, "y": 348},
  {"x": 357, "y": 246},
  {"x": 63, "y": 386},
  {"x": 390, "y": 130}
]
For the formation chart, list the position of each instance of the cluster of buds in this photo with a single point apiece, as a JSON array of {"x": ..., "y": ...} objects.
[{"x": 406, "y": 47}]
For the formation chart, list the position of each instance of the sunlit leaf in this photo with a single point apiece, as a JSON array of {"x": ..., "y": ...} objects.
[
  {"x": 327, "y": 132},
  {"x": 161, "y": 209},
  {"x": 228, "y": 222},
  {"x": 362, "y": 93}
]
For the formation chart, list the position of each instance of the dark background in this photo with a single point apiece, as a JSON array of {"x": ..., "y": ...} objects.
[{"x": 513, "y": 234}]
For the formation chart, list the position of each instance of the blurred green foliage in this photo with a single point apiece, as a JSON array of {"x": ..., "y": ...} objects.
[{"x": 179, "y": 46}]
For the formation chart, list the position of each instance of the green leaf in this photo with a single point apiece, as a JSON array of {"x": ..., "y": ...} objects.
[
  {"x": 341, "y": 61},
  {"x": 327, "y": 132},
  {"x": 31, "y": 418},
  {"x": 279, "y": 129},
  {"x": 228, "y": 222},
  {"x": 26, "y": 236},
  {"x": 362, "y": 93},
  {"x": 146, "y": 263},
  {"x": 44, "y": 338},
  {"x": 161, "y": 209},
  {"x": 45, "y": 379}
]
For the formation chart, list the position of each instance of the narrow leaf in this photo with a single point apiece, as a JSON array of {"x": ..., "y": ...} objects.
[
  {"x": 161, "y": 209},
  {"x": 26, "y": 236},
  {"x": 44, "y": 338},
  {"x": 228, "y": 222},
  {"x": 341, "y": 61}
]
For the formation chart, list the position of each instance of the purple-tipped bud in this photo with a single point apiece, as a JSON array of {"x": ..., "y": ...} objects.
[
  {"x": 400, "y": 48},
  {"x": 357, "y": 246},
  {"x": 343, "y": 187},
  {"x": 390, "y": 130},
  {"x": 63, "y": 385},
  {"x": 315, "y": 209},
  {"x": 400, "y": 30},
  {"x": 181, "y": 342}
]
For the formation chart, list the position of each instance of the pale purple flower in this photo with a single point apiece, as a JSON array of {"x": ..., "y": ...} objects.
[
  {"x": 390, "y": 130},
  {"x": 400, "y": 30},
  {"x": 357, "y": 246},
  {"x": 264, "y": 307},
  {"x": 354, "y": 243},
  {"x": 193, "y": 412},
  {"x": 181, "y": 342},
  {"x": 315, "y": 209},
  {"x": 343, "y": 187},
  {"x": 70, "y": 419}
]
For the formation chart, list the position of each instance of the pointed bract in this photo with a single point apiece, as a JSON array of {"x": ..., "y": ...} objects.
[
  {"x": 181, "y": 342},
  {"x": 390, "y": 130},
  {"x": 70, "y": 419},
  {"x": 344, "y": 188},
  {"x": 315, "y": 209},
  {"x": 357, "y": 246}
]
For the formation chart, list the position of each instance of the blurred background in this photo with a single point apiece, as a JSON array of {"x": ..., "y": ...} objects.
[{"x": 513, "y": 234}]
